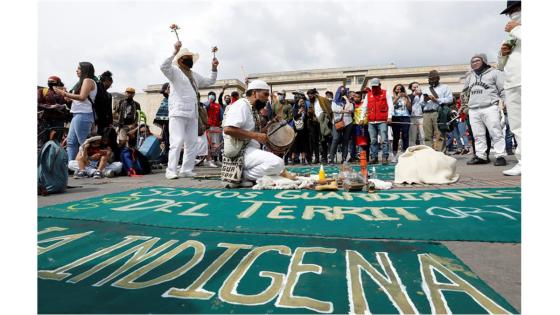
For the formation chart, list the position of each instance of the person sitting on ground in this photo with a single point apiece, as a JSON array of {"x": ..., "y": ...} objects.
[
  {"x": 95, "y": 158},
  {"x": 244, "y": 162}
]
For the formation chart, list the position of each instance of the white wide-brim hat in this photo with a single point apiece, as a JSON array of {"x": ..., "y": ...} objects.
[{"x": 182, "y": 53}]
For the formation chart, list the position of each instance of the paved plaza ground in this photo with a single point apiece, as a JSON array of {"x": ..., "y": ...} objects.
[{"x": 498, "y": 264}]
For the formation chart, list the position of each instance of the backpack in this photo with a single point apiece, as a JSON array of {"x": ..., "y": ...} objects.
[
  {"x": 52, "y": 168},
  {"x": 128, "y": 114},
  {"x": 133, "y": 160},
  {"x": 444, "y": 117}
]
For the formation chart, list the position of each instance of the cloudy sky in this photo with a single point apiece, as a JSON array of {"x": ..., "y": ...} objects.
[{"x": 132, "y": 38}]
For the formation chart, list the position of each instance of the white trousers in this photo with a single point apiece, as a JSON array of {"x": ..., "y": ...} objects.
[
  {"x": 182, "y": 134},
  {"x": 91, "y": 167},
  {"x": 513, "y": 105},
  {"x": 259, "y": 163},
  {"x": 482, "y": 118}
]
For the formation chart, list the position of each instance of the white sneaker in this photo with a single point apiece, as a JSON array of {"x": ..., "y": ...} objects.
[
  {"x": 170, "y": 175},
  {"x": 210, "y": 164},
  {"x": 109, "y": 173},
  {"x": 394, "y": 158},
  {"x": 514, "y": 171},
  {"x": 187, "y": 174}
]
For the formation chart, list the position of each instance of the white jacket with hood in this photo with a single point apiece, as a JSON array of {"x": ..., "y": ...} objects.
[{"x": 182, "y": 96}]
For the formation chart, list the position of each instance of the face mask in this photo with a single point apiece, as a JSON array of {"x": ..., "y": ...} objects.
[
  {"x": 516, "y": 16},
  {"x": 259, "y": 104},
  {"x": 228, "y": 101},
  {"x": 281, "y": 98},
  {"x": 212, "y": 98},
  {"x": 188, "y": 62},
  {"x": 51, "y": 84}
]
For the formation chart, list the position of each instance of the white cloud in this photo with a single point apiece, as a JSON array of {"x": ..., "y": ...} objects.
[{"x": 132, "y": 38}]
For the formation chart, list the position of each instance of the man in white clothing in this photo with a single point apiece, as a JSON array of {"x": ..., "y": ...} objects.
[
  {"x": 183, "y": 108},
  {"x": 511, "y": 53},
  {"x": 242, "y": 136}
]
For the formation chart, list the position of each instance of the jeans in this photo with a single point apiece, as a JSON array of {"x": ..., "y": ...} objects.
[
  {"x": 397, "y": 129},
  {"x": 342, "y": 136},
  {"x": 509, "y": 137},
  {"x": 80, "y": 128},
  {"x": 459, "y": 134},
  {"x": 378, "y": 129}
]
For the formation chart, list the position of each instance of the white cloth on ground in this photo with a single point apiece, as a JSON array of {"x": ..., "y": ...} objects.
[
  {"x": 379, "y": 184},
  {"x": 279, "y": 182},
  {"x": 421, "y": 164}
]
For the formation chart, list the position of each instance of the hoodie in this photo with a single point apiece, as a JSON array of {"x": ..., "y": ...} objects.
[{"x": 485, "y": 89}]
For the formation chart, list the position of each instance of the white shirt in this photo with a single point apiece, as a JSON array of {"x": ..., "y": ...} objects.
[
  {"x": 337, "y": 111},
  {"x": 239, "y": 115},
  {"x": 85, "y": 106},
  {"x": 317, "y": 107},
  {"x": 182, "y": 98},
  {"x": 445, "y": 96}
]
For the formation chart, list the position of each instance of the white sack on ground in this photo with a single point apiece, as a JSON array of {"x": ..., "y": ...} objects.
[{"x": 423, "y": 165}]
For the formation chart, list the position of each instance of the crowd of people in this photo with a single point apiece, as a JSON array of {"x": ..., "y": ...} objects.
[{"x": 330, "y": 128}]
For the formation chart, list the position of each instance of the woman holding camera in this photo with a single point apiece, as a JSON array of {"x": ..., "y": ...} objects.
[{"x": 401, "y": 119}]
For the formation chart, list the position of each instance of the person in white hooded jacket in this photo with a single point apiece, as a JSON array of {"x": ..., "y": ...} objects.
[
  {"x": 510, "y": 53},
  {"x": 183, "y": 108},
  {"x": 485, "y": 86}
]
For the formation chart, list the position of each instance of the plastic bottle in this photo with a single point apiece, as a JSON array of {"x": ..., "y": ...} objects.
[
  {"x": 373, "y": 172},
  {"x": 322, "y": 173}
]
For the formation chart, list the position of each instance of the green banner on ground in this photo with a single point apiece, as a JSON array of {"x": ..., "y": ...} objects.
[
  {"x": 489, "y": 214},
  {"x": 105, "y": 267},
  {"x": 383, "y": 172}
]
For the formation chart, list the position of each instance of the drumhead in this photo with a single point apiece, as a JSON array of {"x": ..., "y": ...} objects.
[{"x": 282, "y": 137}]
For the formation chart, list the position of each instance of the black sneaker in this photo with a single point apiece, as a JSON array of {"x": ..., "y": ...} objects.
[
  {"x": 476, "y": 160},
  {"x": 500, "y": 162},
  {"x": 510, "y": 152}
]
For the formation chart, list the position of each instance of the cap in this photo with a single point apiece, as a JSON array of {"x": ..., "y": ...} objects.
[
  {"x": 131, "y": 90},
  {"x": 258, "y": 85},
  {"x": 53, "y": 78},
  {"x": 374, "y": 82},
  {"x": 481, "y": 56}
]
